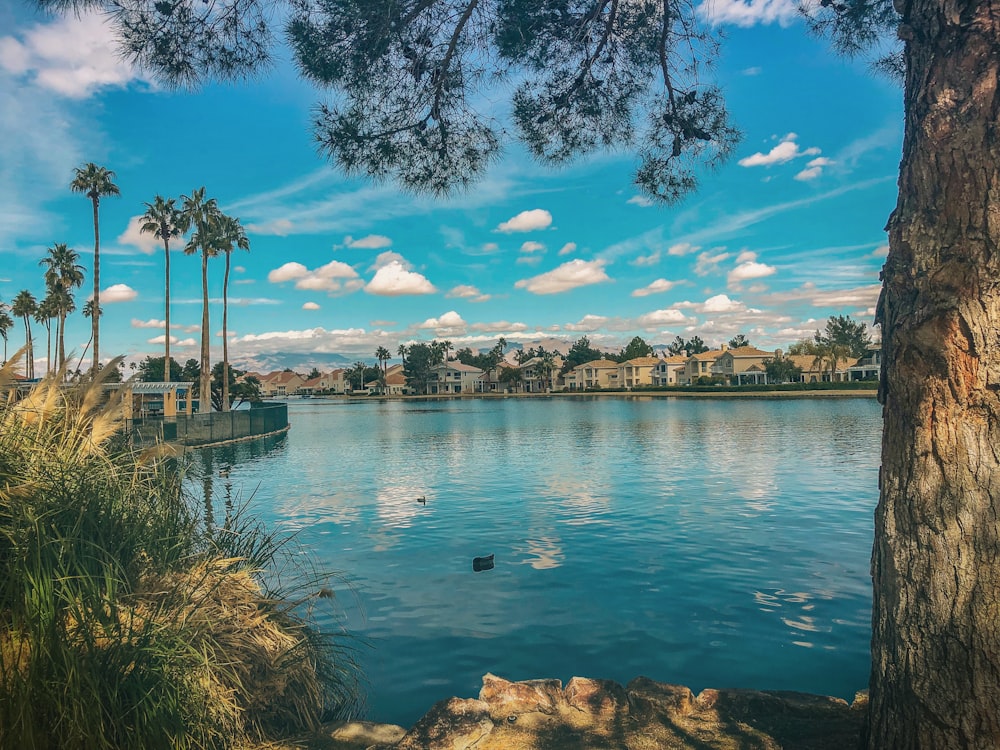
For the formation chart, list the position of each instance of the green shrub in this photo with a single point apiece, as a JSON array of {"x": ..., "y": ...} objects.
[{"x": 124, "y": 621}]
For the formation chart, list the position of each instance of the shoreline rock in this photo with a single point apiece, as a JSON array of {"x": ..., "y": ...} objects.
[{"x": 590, "y": 714}]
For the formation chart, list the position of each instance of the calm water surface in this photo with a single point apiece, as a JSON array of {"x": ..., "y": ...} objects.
[{"x": 712, "y": 543}]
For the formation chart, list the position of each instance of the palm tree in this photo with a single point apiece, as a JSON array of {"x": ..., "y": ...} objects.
[
  {"x": 359, "y": 371},
  {"x": 95, "y": 182},
  {"x": 62, "y": 274},
  {"x": 89, "y": 309},
  {"x": 228, "y": 235},
  {"x": 45, "y": 311},
  {"x": 24, "y": 307},
  {"x": 6, "y": 323},
  {"x": 164, "y": 221},
  {"x": 198, "y": 213},
  {"x": 401, "y": 351},
  {"x": 382, "y": 355}
]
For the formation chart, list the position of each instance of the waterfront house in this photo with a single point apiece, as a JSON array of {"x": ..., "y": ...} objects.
[
  {"x": 815, "y": 370},
  {"x": 320, "y": 384},
  {"x": 598, "y": 373},
  {"x": 699, "y": 366},
  {"x": 281, "y": 384},
  {"x": 743, "y": 365},
  {"x": 869, "y": 366},
  {"x": 637, "y": 372},
  {"x": 536, "y": 379},
  {"x": 668, "y": 369},
  {"x": 455, "y": 377}
]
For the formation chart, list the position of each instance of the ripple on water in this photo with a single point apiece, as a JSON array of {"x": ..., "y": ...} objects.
[{"x": 711, "y": 543}]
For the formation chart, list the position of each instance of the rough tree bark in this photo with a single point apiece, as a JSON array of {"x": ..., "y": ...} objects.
[{"x": 935, "y": 679}]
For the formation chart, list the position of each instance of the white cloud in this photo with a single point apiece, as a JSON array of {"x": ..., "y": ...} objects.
[
  {"x": 656, "y": 287},
  {"x": 640, "y": 200},
  {"x": 660, "y": 318},
  {"x": 490, "y": 247},
  {"x": 881, "y": 251},
  {"x": 569, "y": 275},
  {"x": 587, "y": 323},
  {"x": 647, "y": 260},
  {"x": 813, "y": 169},
  {"x": 151, "y": 323},
  {"x": 754, "y": 70},
  {"x": 310, "y": 306},
  {"x": 449, "y": 324},
  {"x": 708, "y": 263},
  {"x": 568, "y": 248},
  {"x": 784, "y": 152},
  {"x": 532, "y": 247},
  {"x": 746, "y": 256},
  {"x": 394, "y": 280},
  {"x": 526, "y": 221},
  {"x": 239, "y": 269},
  {"x": 333, "y": 277},
  {"x": 739, "y": 13},
  {"x": 118, "y": 293},
  {"x": 277, "y": 227},
  {"x": 73, "y": 56},
  {"x": 529, "y": 260},
  {"x": 749, "y": 270},
  {"x": 857, "y": 297},
  {"x": 466, "y": 291},
  {"x": 499, "y": 326},
  {"x": 369, "y": 242},
  {"x": 682, "y": 248},
  {"x": 161, "y": 339},
  {"x": 387, "y": 258},
  {"x": 720, "y": 303},
  {"x": 146, "y": 243}
]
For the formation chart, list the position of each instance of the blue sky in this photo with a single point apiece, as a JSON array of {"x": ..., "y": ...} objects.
[{"x": 787, "y": 233}]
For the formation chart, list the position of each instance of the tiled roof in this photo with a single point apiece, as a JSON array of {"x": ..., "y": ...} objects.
[
  {"x": 314, "y": 382},
  {"x": 395, "y": 378},
  {"x": 748, "y": 351},
  {"x": 455, "y": 365},
  {"x": 676, "y": 359},
  {"x": 713, "y": 354},
  {"x": 598, "y": 364},
  {"x": 643, "y": 362}
]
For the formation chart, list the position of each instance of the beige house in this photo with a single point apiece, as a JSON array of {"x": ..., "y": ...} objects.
[
  {"x": 814, "y": 371},
  {"x": 669, "y": 369},
  {"x": 743, "y": 365},
  {"x": 395, "y": 383},
  {"x": 455, "y": 377},
  {"x": 599, "y": 373},
  {"x": 280, "y": 384},
  {"x": 536, "y": 380},
  {"x": 698, "y": 365},
  {"x": 637, "y": 372},
  {"x": 321, "y": 384}
]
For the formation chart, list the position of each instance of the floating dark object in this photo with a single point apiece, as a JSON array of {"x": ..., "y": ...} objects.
[
  {"x": 482, "y": 563},
  {"x": 224, "y": 473},
  {"x": 422, "y": 500}
]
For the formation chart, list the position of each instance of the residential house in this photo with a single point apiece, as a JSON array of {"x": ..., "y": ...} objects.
[
  {"x": 492, "y": 382},
  {"x": 742, "y": 365},
  {"x": 637, "y": 372},
  {"x": 280, "y": 384},
  {"x": 818, "y": 371},
  {"x": 669, "y": 369},
  {"x": 535, "y": 380},
  {"x": 454, "y": 377},
  {"x": 598, "y": 373},
  {"x": 321, "y": 384},
  {"x": 395, "y": 383},
  {"x": 698, "y": 366},
  {"x": 869, "y": 367}
]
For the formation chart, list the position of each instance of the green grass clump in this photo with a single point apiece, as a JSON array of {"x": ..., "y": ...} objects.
[{"x": 124, "y": 621}]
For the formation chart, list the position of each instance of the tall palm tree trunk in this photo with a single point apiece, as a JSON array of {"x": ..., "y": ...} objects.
[
  {"x": 95, "y": 320},
  {"x": 166, "y": 314},
  {"x": 29, "y": 360},
  {"x": 60, "y": 339},
  {"x": 205, "y": 390},
  {"x": 225, "y": 337}
]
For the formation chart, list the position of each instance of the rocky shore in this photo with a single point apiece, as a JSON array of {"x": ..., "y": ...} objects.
[{"x": 590, "y": 714}]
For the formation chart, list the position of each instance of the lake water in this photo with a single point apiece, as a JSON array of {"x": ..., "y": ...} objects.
[{"x": 705, "y": 542}]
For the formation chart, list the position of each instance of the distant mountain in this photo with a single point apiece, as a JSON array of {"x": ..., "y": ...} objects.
[{"x": 301, "y": 363}]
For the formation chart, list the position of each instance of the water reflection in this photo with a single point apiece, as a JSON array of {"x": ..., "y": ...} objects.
[{"x": 652, "y": 536}]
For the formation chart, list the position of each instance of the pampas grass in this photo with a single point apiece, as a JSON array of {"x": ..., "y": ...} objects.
[{"x": 124, "y": 621}]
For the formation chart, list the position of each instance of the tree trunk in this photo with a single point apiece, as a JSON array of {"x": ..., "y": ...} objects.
[
  {"x": 935, "y": 679},
  {"x": 95, "y": 320},
  {"x": 225, "y": 334},
  {"x": 205, "y": 390},
  {"x": 166, "y": 312}
]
